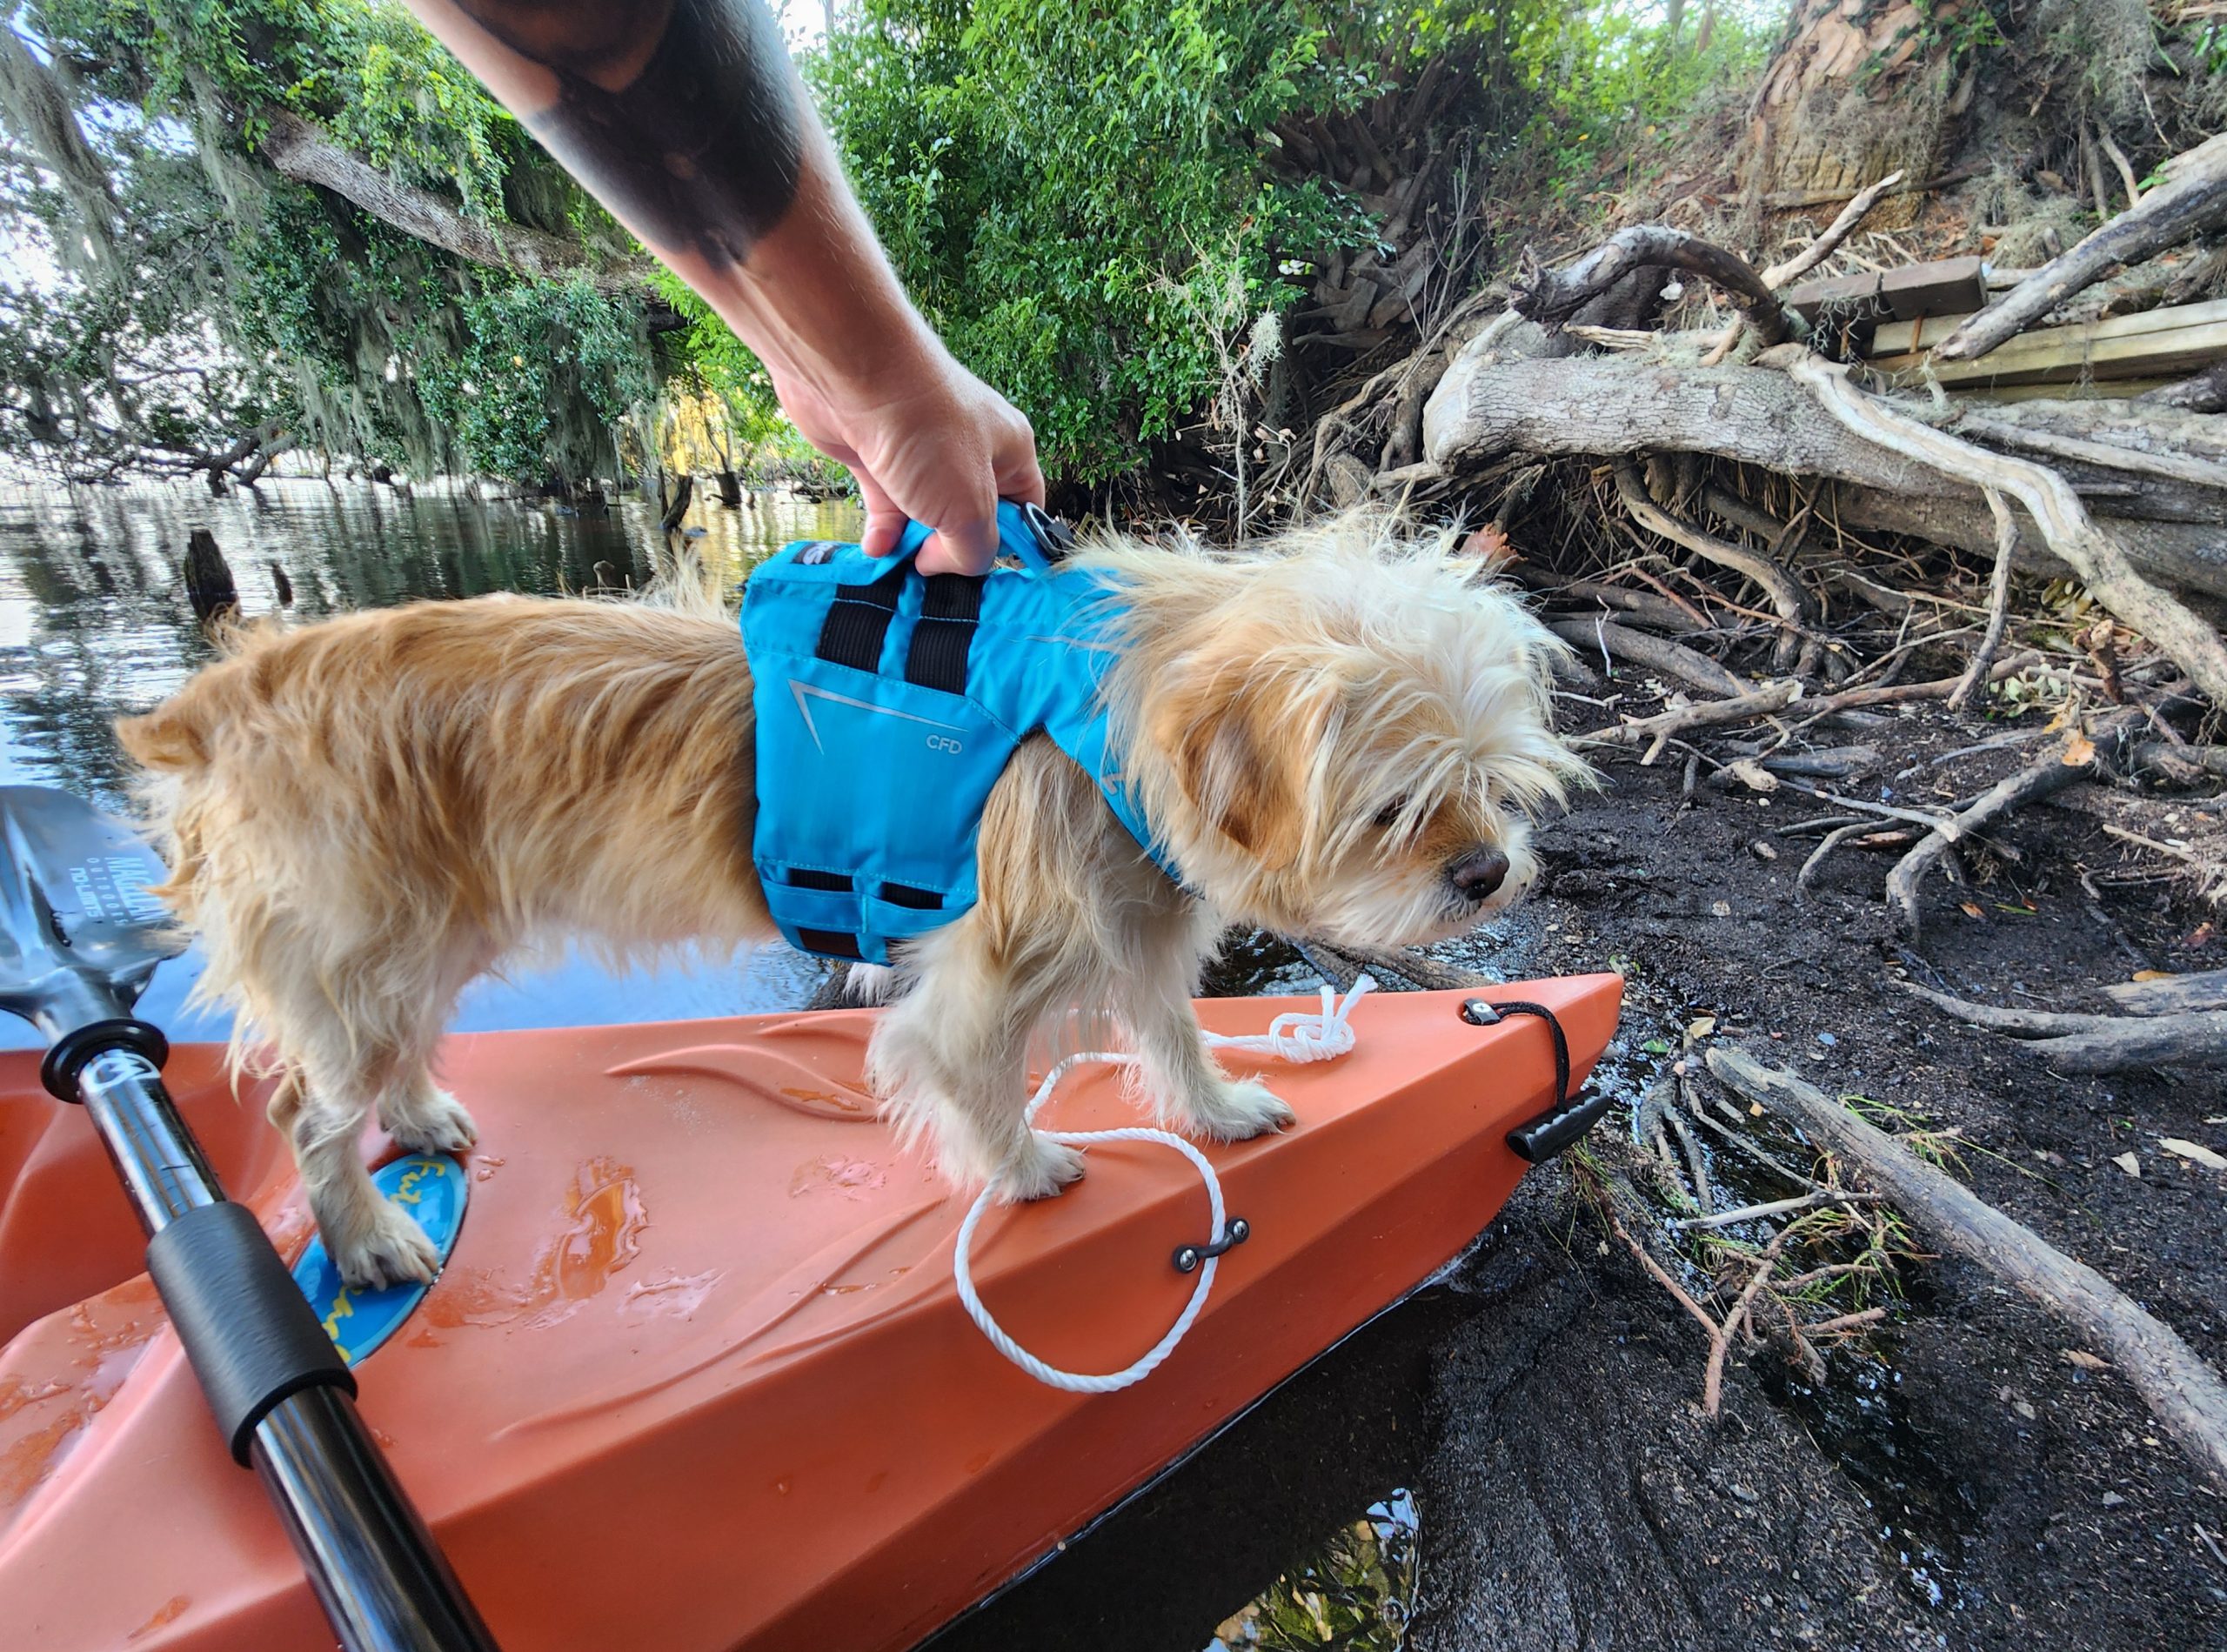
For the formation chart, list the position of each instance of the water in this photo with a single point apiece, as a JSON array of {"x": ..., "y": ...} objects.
[{"x": 94, "y": 626}]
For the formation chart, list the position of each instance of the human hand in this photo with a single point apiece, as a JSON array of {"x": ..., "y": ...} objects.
[{"x": 928, "y": 442}]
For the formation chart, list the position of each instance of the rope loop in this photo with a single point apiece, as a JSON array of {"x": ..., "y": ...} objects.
[{"x": 1299, "y": 1037}]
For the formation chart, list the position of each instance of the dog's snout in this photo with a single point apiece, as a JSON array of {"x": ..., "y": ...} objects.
[{"x": 1478, "y": 873}]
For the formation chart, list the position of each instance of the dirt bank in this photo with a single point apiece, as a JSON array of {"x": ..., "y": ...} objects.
[{"x": 1956, "y": 1480}]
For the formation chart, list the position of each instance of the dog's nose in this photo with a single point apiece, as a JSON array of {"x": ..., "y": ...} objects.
[{"x": 1477, "y": 873}]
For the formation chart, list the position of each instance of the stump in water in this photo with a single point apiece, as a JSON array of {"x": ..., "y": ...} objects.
[
  {"x": 282, "y": 586},
  {"x": 684, "y": 490},
  {"x": 730, "y": 489},
  {"x": 209, "y": 585}
]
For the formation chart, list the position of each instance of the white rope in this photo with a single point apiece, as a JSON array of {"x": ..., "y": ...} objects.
[{"x": 1297, "y": 1037}]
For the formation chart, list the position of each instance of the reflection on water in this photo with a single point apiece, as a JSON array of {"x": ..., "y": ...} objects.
[{"x": 94, "y": 624}]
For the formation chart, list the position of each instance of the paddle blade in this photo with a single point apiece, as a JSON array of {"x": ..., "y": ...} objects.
[{"x": 77, "y": 908}]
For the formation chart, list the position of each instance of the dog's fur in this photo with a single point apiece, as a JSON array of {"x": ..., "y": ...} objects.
[{"x": 363, "y": 815}]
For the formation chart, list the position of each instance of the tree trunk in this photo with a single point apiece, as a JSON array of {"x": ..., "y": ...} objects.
[{"x": 1852, "y": 93}]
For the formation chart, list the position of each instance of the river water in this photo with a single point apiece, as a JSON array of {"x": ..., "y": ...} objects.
[{"x": 94, "y": 624}]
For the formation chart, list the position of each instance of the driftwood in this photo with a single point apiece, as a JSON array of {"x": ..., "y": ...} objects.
[
  {"x": 2206, "y": 990},
  {"x": 1553, "y": 297},
  {"x": 2186, "y": 1395},
  {"x": 2097, "y": 1043},
  {"x": 2065, "y": 765},
  {"x": 1593, "y": 637},
  {"x": 1493, "y": 402},
  {"x": 1740, "y": 708},
  {"x": 2100, "y": 561},
  {"x": 209, "y": 585},
  {"x": 2191, "y": 200}
]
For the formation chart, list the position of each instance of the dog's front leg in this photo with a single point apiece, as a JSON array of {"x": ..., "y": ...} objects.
[
  {"x": 1177, "y": 1072},
  {"x": 950, "y": 1059}
]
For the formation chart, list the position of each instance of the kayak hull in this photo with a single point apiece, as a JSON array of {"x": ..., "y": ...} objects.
[{"x": 696, "y": 1376}]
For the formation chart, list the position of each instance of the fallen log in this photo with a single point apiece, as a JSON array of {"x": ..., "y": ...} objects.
[
  {"x": 2191, "y": 200},
  {"x": 1493, "y": 402},
  {"x": 2184, "y": 1394},
  {"x": 1739, "y": 709}
]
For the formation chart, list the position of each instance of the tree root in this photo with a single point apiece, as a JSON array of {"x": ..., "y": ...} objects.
[
  {"x": 2098, "y": 559},
  {"x": 2074, "y": 1043},
  {"x": 2186, "y": 1394}
]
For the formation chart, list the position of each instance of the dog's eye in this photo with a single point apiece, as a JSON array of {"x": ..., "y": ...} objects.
[{"x": 1388, "y": 816}]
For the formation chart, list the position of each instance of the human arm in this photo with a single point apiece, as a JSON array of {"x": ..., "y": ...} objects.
[{"x": 685, "y": 118}]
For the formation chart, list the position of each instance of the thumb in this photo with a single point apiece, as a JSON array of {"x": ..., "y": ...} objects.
[
  {"x": 961, "y": 547},
  {"x": 885, "y": 522}
]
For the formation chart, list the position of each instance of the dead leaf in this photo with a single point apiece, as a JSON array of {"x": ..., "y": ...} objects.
[
  {"x": 2079, "y": 750},
  {"x": 2195, "y": 1152},
  {"x": 1701, "y": 1027},
  {"x": 1753, "y": 775},
  {"x": 2153, "y": 974},
  {"x": 2129, "y": 1163},
  {"x": 1970, "y": 909},
  {"x": 1490, "y": 543},
  {"x": 2085, "y": 1361}
]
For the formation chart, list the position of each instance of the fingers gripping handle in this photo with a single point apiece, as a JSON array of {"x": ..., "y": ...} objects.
[{"x": 1026, "y": 532}]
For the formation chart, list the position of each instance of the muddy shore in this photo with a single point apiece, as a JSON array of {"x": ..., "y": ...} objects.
[{"x": 1957, "y": 1480}]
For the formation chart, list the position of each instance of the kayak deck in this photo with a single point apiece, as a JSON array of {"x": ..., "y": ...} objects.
[{"x": 696, "y": 1376}]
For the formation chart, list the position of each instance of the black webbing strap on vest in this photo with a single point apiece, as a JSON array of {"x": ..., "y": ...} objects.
[
  {"x": 1571, "y": 1116},
  {"x": 950, "y": 609},
  {"x": 857, "y": 621}
]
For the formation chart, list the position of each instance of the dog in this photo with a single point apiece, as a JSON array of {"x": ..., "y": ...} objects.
[{"x": 1341, "y": 733}]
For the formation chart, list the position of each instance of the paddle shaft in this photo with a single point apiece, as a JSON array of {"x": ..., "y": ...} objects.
[{"x": 383, "y": 1580}]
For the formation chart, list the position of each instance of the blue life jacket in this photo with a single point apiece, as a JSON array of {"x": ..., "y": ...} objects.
[{"x": 887, "y": 704}]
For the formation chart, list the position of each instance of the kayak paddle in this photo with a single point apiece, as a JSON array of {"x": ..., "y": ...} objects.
[{"x": 80, "y": 936}]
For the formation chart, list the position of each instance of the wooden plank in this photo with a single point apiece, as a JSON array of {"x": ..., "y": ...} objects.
[
  {"x": 2156, "y": 344},
  {"x": 1950, "y": 286}
]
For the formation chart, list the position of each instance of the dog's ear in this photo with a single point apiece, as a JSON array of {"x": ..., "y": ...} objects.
[{"x": 1242, "y": 753}]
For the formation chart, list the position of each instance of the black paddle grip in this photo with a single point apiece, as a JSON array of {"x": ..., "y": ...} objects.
[{"x": 251, "y": 1334}]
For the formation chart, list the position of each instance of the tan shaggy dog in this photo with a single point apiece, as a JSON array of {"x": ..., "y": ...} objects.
[{"x": 1339, "y": 733}]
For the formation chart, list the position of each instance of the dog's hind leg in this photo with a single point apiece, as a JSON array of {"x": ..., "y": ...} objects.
[
  {"x": 951, "y": 1059},
  {"x": 1176, "y": 1071}
]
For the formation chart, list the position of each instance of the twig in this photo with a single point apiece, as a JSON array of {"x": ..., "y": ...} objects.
[
  {"x": 2183, "y": 1392},
  {"x": 1785, "y": 594},
  {"x": 1849, "y": 1322},
  {"x": 1780, "y": 1208},
  {"x": 1818, "y": 251},
  {"x": 1999, "y": 603},
  {"x": 2060, "y": 769},
  {"x": 1720, "y": 1344},
  {"x": 1739, "y": 709},
  {"x": 1663, "y": 1279}
]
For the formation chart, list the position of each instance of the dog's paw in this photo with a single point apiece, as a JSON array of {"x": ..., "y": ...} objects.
[
  {"x": 388, "y": 1248},
  {"x": 433, "y": 1121},
  {"x": 1036, "y": 1170},
  {"x": 1237, "y": 1112}
]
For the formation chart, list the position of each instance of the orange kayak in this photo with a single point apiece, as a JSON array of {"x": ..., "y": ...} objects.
[{"x": 696, "y": 1376}]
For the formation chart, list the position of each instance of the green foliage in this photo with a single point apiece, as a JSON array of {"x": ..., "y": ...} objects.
[
  {"x": 1607, "y": 77},
  {"x": 1052, "y": 180},
  {"x": 386, "y": 347}
]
